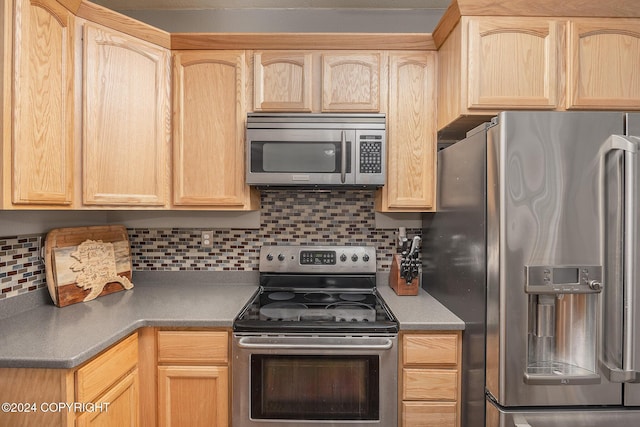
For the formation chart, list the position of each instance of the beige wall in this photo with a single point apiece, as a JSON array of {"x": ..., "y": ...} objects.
[{"x": 292, "y": 20}]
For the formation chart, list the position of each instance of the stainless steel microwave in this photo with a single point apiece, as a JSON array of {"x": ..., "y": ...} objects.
[{"x": 316, "y": 150}]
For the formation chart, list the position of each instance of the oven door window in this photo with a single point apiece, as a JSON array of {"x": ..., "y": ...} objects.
[{"x": 289, "y": 387}]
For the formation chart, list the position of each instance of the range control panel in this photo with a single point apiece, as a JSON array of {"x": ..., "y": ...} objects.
[
  {"x": 547, "y": 279},
  {"x": 318, "y": 259}
]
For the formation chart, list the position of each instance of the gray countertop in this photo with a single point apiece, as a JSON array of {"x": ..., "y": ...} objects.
[
  {"x": 51, "y": 337},
  {"x": 420, "y": 312}
]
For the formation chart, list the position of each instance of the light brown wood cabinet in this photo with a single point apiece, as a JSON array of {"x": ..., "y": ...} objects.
[
  {"x": 317, "y": 81},
  {"x": 39, "y": 155},
  {"x": 36, "y": 386},
  {"x": 193, "y": 378},
  {"x": 488, "y": 64},
  {"x": 411, "y": 134},
  {"x": 513, "y": 62},
  {"x": 87, "y": 112},
  {"x": 126, "y": 120},
  {"x": 351, "y": 82},
  {"x": 282, "y": 81},
  {"x": 122, "y": 398},
  {"x": 208, "y": 130},
  {"x": 430, "y": 379},
  {"x": 105, "y": 390},
  {"x": 119, "y": 85},
  {"x": 603, "y": 64},
  {"x": 111, "y": 378}
]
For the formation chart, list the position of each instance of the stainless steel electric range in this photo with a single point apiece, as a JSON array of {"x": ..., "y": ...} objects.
[{"x": 316, "y": 345}]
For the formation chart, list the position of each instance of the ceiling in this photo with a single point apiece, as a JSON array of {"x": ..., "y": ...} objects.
[
  {"x": 271, "y": 4},
  {"x": 359, "y": 16}
]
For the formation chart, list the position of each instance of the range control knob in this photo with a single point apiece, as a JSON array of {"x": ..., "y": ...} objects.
[
  {"x": 269, "y": 257},
  {"x": 354, "y": 257},
  {"x": 365, "y": 258},
  {"x": 595, "y": 285},
  {"x": 280, "y": 257},
  {"x": 343, "y": 257}
]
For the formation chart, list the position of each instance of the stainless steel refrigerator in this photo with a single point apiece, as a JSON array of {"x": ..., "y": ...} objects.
[{"x": 535, "y": 246}]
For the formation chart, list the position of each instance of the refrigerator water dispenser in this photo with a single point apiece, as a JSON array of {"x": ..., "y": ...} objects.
[{"x": 562, "y": 332}]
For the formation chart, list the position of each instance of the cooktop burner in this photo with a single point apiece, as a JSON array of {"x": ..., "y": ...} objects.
[
  {"x": 353, "y": 297},
  {"x": 281, "y": 296},
  {"x": 316, "y": 289}
]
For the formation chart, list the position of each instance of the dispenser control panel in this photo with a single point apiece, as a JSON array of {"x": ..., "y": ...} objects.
[{"x": 553, "y": 279}]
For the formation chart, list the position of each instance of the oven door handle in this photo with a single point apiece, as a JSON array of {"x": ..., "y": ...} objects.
[{"x": 319, "y": 343}]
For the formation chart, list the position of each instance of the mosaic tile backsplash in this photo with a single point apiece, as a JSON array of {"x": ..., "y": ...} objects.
[
  {"x": 21, "y": 269},
  {"x": 287, "y": 217}
]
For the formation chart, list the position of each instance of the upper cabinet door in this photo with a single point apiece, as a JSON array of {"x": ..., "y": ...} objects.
[
  {"x": 43, "y": 127},
  {"x": 351, "y": 82},
  {"x": 282, "y": 81},
  {"x": 209, "y": 120},
  {"x": 514, "y": 62},
  {"x": 411, "y": 133},
  {"x": 126, "y": 120},
  {"x": 604, "y": 57}
]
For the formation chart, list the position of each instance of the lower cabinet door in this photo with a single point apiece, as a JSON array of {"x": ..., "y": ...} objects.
[
  {"x": 428, "y": 414},
  {"x": 193, "y": 396},
  {"x": 118, "y": 407}
]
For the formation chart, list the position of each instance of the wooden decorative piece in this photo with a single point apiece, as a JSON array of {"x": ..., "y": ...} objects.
[
  {"x": 398, "y": 283},
  {"x": 84, "y": 263}
]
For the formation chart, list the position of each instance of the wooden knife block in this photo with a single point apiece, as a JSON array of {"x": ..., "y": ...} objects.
[{"x": 397, "y": 283}]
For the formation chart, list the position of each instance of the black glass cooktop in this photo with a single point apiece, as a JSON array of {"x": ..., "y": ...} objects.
[{"x": 316, "y": 310}]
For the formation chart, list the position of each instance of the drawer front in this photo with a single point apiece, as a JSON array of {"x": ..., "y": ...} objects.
[
  {"x": 431, "y": 349},
  {"x": 429, "y": 384},
  {"x": 425, "y": 414},
  {"x": 106, "y": 369},
  {"x": 193, "y": 347}
]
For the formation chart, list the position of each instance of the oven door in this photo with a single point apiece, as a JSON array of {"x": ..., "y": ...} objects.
[
  {"x": 300, "y": 157},
  {"x": 314, "y": 381}
]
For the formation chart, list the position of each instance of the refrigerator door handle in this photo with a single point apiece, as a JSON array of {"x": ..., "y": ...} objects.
[{"x": 629, "y": 372}]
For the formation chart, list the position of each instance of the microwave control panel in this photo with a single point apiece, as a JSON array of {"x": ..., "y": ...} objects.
[{"x": 370, "y": 154}]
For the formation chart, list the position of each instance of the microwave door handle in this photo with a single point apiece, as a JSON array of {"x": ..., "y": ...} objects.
[
  {"x": 629, "y": 372},
  {"x": 343, "y": 157}
]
